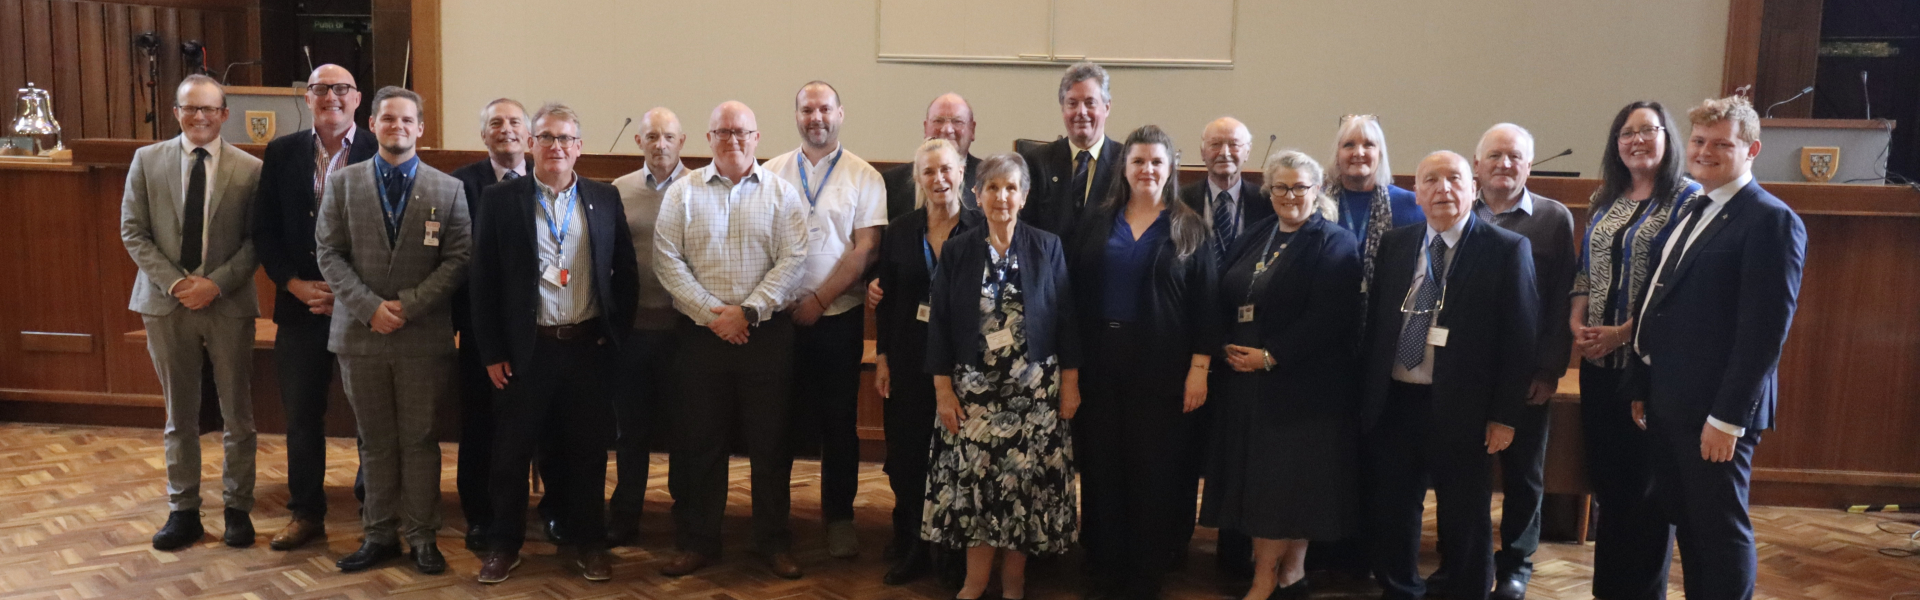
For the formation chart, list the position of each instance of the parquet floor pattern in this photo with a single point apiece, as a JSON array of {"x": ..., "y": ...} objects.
[{"x": 78, "y": 504}]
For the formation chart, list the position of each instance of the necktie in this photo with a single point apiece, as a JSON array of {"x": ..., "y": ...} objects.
[
  {"x": 395, "y": 202},
  {"x": 194, "y": 224},
  {"x": 510, "y": 176},
  {"x": 1672, "y": 263},
  {"x": 1226, "y": 224},
  {"x": 1079, "y": 183},
  {"x": 1413, "y": 337}
]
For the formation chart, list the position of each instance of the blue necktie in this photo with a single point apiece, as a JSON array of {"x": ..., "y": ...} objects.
[
  {"x": 1081, "y": 163},
  {"x": 1226, "y": 224},
  {"x": 395, "y": 202},
  {"x": 1413, "y": 337}
]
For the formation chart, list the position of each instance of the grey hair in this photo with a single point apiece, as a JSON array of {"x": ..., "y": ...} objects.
[
  {"x": 391, "y": 92},
  {"x": 1369, "y": 128},
  {"x": 1295, "y": 160},
  {"x": 497, "y": 102},
  {"x": 1480, "y": 150},
  {"x": 1082, "y": 71},
  {"x": 931, "y": 146},
  {"x": 199, "y": 79},
  {"x": 1002, "y": 165},
  {"x": 556, "y": 110}
]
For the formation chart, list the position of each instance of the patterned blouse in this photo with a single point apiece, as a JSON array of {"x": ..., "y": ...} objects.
[{"x": 1616, "y": 257}]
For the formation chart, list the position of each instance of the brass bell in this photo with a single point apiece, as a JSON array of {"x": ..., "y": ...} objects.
[{"x": 34, "y": 118}]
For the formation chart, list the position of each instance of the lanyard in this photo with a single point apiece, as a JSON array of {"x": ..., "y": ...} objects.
[
  {"x": 1263, "y": 266},
  {"x": 559, "y": 230},
  {"x": 394, "y": 211},
  {"x": 806, "y": 185}
]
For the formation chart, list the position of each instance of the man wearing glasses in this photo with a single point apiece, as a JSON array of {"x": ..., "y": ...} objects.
[
  {"x": 553, "y": 296},
  {"x": 950, "y": 118},
  {"x": 730, "y": 246},
  {"x": 1454, "y": 319},
  {"x": 184, "y": 220},
  {"x": 293, "y": 178}
]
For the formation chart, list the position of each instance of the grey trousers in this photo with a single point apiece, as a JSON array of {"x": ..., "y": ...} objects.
[
  {"x": 181, "y": 343},
  {"x": 393, "y": 401}
]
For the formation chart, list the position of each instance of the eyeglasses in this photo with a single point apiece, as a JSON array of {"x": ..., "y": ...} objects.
[
  {"x": 1645, "y": 133},
  {"x": 556, "y": 140},
  {"x": 205, "y": 111},
  {"x": 738, "y": 134},
  {"x": 1298, "y": 191},
  {"x": 954, "y": 122},
  {"x": 1350, "y": 117},
  {"x": 339, "y": 89}
]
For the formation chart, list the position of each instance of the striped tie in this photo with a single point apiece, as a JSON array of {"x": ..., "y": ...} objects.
[{"x": 1226, "y": 225}]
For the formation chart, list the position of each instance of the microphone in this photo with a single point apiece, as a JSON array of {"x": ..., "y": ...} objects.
[
  {"x": 1865, "y": 94},
  {"x": 1263, "y": 160},
  {"x": 308, "y": 50},
  {"x": 1544, "y": 160},
  {"x": 1803, "y": 91},
  {"x": 616, "y": 135}
]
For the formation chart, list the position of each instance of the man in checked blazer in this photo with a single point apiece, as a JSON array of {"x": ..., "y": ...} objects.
[
  {"x": 392, "y": 242},
  {"x": 185, "y": 221}
]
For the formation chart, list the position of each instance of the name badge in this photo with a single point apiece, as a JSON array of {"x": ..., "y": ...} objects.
[
  {"x": 555, "y": 275},
  {"x": 1437, "y": 336},
  {"x": 1246, "y": 313},
  {"x": 1000, "y": 339},
  {"x": 924, "y": 313},
  {"x": 433, "y": 234}
]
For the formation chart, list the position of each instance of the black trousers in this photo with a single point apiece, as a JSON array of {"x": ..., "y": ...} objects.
[
  {"x": 1707, "y": 504},
  {"x": 723, "y": 386},
  {"x": 1130, "y": 437},
  {"x": 826, "y": 405},
  {"x": 1523, "y": 485},
  {"x": 1634, "y": 543},
  {"x": 561, "y": 406},
  {"x": 1404, "y": 451},
  {"x": 305, "y": 369},
  {"x": 910, "y": 417},
  {"x": 645, "y": 370},
  {"x": 474, "y": 476}
]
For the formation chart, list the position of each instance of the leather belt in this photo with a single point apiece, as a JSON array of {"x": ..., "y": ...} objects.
[{"x": 588, "y": 330}]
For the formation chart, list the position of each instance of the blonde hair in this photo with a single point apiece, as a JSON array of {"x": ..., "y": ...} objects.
[
  {"x": 1298, "y": 161},
  {"x": 1369, "y": 127},
  {"x": 1746, "y": 122},
  {"x": 928, "y": 147}
]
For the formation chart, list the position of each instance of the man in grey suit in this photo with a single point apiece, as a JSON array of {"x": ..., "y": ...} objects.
[
  {"x": 184, "y": 219},
  {"x": 392, "y": 242}
]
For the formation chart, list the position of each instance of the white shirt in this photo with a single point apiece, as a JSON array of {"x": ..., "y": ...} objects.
[
  {"x": 186, "y": 179},
  {"x": 573, "y": 303},
  {"x": 852, "y": 197},
  {"x": 1716, "y": 201},
  {"x": 718, "y": 242},
  {"x": 1423, "y": 374},
  {"x": 324, "y": 163}
]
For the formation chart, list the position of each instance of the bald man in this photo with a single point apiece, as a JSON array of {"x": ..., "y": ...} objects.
[
  {"x": 293, "y": 178},
  {"x": 1455, "y": 319},
  {"x": 644, "y": 364},
  {"x": 950, "y": 118}
]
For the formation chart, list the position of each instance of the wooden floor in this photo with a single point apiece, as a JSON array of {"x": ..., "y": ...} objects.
[{"x": 78, "y": 504}]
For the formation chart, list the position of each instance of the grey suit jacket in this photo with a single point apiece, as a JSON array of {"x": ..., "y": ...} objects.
[
  {"x": 150, "y": 227},
  {"x": 350, "y": 240}
]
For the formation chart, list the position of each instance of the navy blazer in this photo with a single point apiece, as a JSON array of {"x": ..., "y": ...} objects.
[
  {"x": 504, "y": 274},
  {"x": 1050, "y": 206},
  {"x": 1308, "y": 315},
  {"x": 1492, "y": 312},
  {"x": 475, "y": 178},
  {"x": 953, "y": 332},
  {"x": 286, "y": 210},
  {"x": 1715, "y": 330},
  {"x": 1254, "y": 202},
  {"x": 1176, "y": 299},
  {"x": 905, "y": 281}
]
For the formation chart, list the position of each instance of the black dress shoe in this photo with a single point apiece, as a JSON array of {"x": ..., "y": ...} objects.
[
  {"x": 912, "y": 566},
  {"x": 1297, "y": 591},
  {"x": 554, "y": 532},
  {"x": 182, "y": 529},
  {"x": 1438, "y": 583},
  {"x": 476, "y": 539},
  {"x": 239, "y": 529},
  {"x": 369, "y": 555},
  {"x": 427, "y": 559},
  {"x": 1512, "y": 587}
]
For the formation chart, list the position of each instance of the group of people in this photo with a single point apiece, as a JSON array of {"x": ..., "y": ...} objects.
[{"x": 1068, "y": 340}]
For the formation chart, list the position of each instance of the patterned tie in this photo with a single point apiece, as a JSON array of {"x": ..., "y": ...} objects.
[
  {"x": 510, "y": 176},
  {"x": 1079, "y": 183},
  {"x": 1413, "y": 337},
  {"x": 194, "y": 224},
  {"x": 1226, "y": 224}
]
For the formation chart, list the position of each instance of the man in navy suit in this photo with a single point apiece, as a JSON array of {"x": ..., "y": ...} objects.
[
  {"x": 1452, "y": 329},
  {"x": 1071, "y": 172},
  {"x": 1710, "y": 334}
]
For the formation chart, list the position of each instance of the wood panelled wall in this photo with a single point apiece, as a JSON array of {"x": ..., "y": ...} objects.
[{"x": 83, "y": 54}]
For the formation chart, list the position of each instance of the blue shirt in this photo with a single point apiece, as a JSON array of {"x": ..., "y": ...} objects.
[
  {"x": 1356, "y": 210},
  {"x": 1125, "y": 268},
  {"x": 394, "y": 209}
]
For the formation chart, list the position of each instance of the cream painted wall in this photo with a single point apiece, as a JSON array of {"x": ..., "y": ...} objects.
[{"x": 1438, "y": 72}]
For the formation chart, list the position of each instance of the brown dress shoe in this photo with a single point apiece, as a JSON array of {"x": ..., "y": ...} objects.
[
  {"x": 297, "y": 534},
  {"x": 596, "y": 565},
  {"x": 495, "y": 567},
  {"x": 782, "y": 564},
  {"x": 686, "y": 562}
]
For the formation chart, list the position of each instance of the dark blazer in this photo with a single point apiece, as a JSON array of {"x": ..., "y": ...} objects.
[
  {"x": 504, "y": 274},
  {"x": 1492, "y": 312},
  {"x": 1308, "y": 315},
  {"x": 1715, "y": 330},
  {"x": 899, "y": 182},
  {"x": 475, "y": 178},
  {"x": 1176, "y": 304},
  {"x": 903, "y": 275},
  {"x": 953, "y": 333},
  {"x": 286, "y": 210},
  {"x": 1254, "y": 203},
  {"x": 1050, "y": 205}
]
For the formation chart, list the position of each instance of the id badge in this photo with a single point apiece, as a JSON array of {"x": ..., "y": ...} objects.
[
  {"x": 433, "y": 234},
  {"x": 1000, "y": 339},
  {"x": 555, "y": 275},
  {"x": 1246, "y": 313},
  {"x": 1437, "y": 336},
  {"x": 924, "y": 313}
]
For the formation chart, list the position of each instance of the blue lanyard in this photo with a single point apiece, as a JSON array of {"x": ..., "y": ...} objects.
[
  {"x": 806, "y": 185},
  {"x": 559, "y": 230},
  {"x": 394, "y": 212}
]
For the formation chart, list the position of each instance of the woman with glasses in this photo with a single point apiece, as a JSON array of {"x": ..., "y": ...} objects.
[
  {"x": 1282, "y": 465},
  {"x": 1005, "y": 361},
  {"x": 1144, "y": 277},
  {"x": 1642, "y": 190},
  {"x": 1362, "y": 187}
]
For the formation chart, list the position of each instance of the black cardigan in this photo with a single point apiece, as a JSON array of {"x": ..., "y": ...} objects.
[
  {"x": 953, "y": 332},
  {"x": 1177, "y": 302},
  {"x": 1308, "y": 316},
  {"x": 905, "y": 281}
]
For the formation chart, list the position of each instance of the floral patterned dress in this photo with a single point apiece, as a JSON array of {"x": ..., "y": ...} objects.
[{"x": 1007, "y": 479}]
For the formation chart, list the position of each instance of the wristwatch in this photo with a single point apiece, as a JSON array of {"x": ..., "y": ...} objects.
[{"x": 752, "y": 314}]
